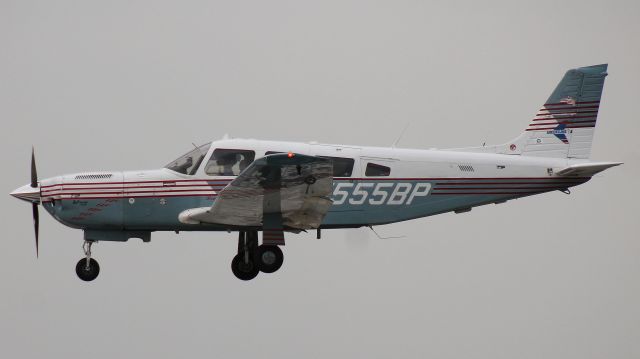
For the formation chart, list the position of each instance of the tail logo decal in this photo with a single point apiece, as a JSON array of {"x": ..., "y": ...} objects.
[{"x": 560, "y": 132}]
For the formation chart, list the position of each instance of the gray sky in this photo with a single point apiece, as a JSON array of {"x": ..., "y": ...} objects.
[{"x": 130, "y": 84}]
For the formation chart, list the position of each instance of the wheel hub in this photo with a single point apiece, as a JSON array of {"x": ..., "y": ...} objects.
[{"x": 268, "y": 258}]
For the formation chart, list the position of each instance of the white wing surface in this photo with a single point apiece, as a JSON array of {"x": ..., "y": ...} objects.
[{"x": 280, "y": 190}]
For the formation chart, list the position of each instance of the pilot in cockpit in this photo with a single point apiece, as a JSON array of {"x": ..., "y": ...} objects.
[
  {"x": 226, "y": 163},
  {"x": 244, "y": 163},
  {"x": 185, "y": 166}
]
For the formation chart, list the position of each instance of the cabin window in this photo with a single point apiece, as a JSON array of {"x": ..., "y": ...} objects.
[
  {"x": 227, "y": 162},
  {"x": 342, "y": 167},
  {"x": 376, "y": 170},
  {"x": 188, "y": 163}
]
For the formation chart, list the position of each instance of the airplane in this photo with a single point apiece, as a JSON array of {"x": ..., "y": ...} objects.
[{"x": 252, "y": 186}]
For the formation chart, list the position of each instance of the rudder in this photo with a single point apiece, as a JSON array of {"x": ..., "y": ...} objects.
[{"x": 564, "y": 126}]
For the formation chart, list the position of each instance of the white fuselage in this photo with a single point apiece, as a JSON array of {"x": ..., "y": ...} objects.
[{"x": 372, "y": 185}]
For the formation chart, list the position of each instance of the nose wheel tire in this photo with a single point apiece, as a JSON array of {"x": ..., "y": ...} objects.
[
  {"x": 244, "y": 267},
  {"x": 270, "y": 258},
  {"x": 87, "y": 271}
]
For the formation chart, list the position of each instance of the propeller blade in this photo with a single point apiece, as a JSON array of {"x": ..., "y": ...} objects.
[
  {"x": 34, "y": 172},
  {"x": 36, "y": 223}
]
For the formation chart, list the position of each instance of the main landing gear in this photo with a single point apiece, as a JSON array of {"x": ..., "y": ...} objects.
[
  {"x": 87, "y": 268},
  {"x": 253, "y": 258}
]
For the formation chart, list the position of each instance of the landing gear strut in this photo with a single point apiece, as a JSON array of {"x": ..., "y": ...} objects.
[
  {"x": 252, "y": 258},
  {"x": 87, "y": 268},
  {"x": 244, "y": 265}
]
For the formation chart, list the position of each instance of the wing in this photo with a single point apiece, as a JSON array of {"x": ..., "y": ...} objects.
[{"x": 279, "y": 190}]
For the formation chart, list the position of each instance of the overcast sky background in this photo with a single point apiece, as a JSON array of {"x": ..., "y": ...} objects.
[{"x": 131, "y": 84}]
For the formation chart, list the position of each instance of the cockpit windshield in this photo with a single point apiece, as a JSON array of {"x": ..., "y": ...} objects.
[{"x": 188, "y": 164}]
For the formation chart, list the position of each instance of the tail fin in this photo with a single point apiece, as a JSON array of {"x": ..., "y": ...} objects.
[{"x": 564, "y": 126}]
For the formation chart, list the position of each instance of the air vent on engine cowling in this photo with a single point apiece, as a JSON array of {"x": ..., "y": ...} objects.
[{"x": 94, "y": 176}]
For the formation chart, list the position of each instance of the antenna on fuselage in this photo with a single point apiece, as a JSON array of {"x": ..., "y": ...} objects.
[
  {"x": 395, "y": 143},
  {"x": 377, "y": 235},
  {"x": 197, "y": 148}
]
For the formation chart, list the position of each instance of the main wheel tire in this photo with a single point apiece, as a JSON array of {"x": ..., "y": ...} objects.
[
  {"x": 270, "y": 258},
  {"x": 244, "y": 270},
  {"x": 89, "y": 273}
]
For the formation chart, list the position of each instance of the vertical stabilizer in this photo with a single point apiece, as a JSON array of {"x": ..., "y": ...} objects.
[{"x": 564, "y": 125}]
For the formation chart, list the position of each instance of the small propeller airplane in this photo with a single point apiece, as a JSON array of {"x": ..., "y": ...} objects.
[{"x": 251, "y": 186}]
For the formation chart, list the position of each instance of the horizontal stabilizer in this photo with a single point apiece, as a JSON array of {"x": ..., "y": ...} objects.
[{"x": 586, "y": 169}]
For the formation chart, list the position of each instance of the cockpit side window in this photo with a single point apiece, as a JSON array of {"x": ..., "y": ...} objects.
[
  {"x": 227, "y": 162},
  {"x": 188, "y": 163}
]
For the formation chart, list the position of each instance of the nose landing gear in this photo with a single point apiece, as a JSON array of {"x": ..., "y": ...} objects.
[{"x": 87, "y": 268}]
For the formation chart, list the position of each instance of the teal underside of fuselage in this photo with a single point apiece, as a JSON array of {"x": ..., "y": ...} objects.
[{"x": 356, "y": 207}]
